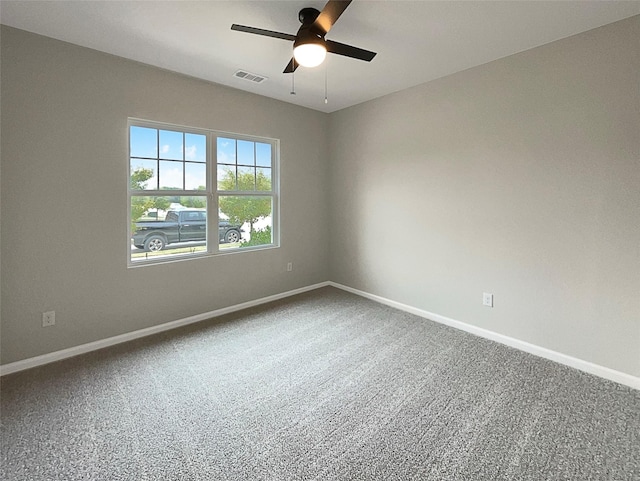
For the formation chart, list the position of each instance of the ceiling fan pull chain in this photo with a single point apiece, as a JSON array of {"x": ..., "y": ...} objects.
[
  {"x": 293, "y": 76},
  {"x": 326, "y": 101}
]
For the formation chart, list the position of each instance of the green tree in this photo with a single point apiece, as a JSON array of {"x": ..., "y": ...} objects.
[
  {"x": 139, "y": 178},
  {"x": 259, "y": 238},
  {"x": 241, "y": 209},
  {"x": 194, "y": 202},
  {"x": 141, "y": 204}
]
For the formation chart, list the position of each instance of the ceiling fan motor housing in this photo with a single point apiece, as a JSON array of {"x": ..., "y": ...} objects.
[
  {"x": 308, "y": 15},
  {"x": 308, "y": 33},
  {"x": 308, "y": 36}
]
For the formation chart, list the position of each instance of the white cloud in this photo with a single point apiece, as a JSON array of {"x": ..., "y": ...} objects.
[
  {"x": 164, "y": 149},
  {"x": 190, "y": 152},
  {"x": 171, "y": 177},
  {"x": 223, "y": 158}
]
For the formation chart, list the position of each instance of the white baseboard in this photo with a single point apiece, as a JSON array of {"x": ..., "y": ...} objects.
[
  {"x": 129, "y": 336},
  {"x": 585, "y": 366}
]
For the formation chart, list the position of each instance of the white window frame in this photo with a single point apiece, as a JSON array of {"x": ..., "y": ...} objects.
[{"x": 211, "y": 192}]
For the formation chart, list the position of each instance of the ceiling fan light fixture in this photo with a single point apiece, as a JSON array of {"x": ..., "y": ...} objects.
[{"x": 310, "y": 53}]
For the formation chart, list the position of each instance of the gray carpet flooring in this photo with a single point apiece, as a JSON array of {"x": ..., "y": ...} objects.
[{"x": 321, "y": 386}]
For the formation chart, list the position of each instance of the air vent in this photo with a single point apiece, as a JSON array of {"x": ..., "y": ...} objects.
[{"x": 251, "y": 77}]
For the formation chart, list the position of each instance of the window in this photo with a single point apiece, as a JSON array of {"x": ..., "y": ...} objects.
[{"x": 183, "y": 181}]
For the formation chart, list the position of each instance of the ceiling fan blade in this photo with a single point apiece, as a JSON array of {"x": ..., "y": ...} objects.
[
  {"x": 260, "y": 31},
  {"x": 330, "y": 13},
  {"x": 291, "y": 66},
  {"x": 349, "y": 51}
]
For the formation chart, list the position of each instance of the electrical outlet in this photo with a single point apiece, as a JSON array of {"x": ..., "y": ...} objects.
[
  {"x": 289, "y": 266},
  {"x": 487, "y": 299},
  {"x": 48, "y": 318}
]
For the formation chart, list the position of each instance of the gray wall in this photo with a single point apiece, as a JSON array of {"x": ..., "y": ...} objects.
[
  {"x": 64, "y": 199},
  {"x": 521, "y": 178}
]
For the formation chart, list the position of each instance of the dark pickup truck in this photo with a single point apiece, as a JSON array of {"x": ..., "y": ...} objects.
[{"x": 186, "y": 225}]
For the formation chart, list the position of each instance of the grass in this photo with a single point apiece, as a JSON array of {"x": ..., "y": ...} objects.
[{"x": 140, "y": 254}]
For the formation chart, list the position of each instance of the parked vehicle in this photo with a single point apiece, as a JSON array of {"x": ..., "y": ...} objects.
[{"x": 180, "y": 226}]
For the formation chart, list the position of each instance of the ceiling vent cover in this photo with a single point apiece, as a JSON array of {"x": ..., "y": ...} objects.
[{"x": 251, "y": 77}]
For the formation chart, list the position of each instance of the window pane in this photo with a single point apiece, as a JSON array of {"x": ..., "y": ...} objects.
[
  {"x": 263, "y": 179},
  {"x": 263, "y": 154},
  {"x": 226, "y": 178},
  {"x": 167, "y": 226},
  {"x": 143, "y": 174},
  {"x": 245, "y": 153},
  {"x": 170, "y": 145},
  {"x": 253, "y": 213},
  {"x": 171, "y": 176},
  {"x": 246, "y": 178},
  {"x": 143, "y": 142},
  {"x": 195, "y": 147},
  {"x": 226, "y": 151},
  {"x": 195, "y": 176}
]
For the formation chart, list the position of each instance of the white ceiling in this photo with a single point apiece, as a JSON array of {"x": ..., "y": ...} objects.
[{"x": 416, "y": 41}]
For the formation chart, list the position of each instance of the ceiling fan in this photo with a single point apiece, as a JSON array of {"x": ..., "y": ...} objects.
[{"x": 309, "y": 45}]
